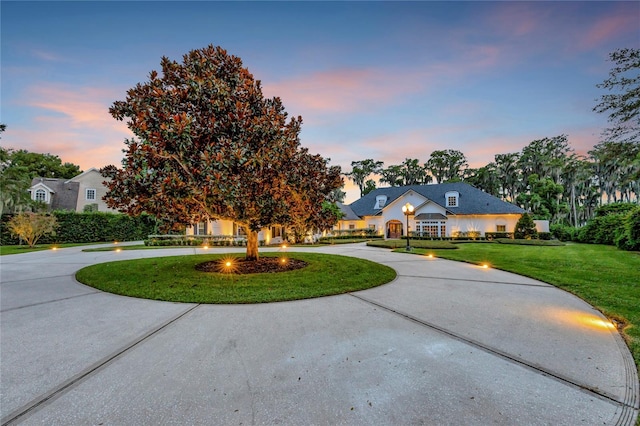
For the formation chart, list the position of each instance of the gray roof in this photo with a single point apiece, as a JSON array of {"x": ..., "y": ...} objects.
[
  {"x": 431, "y": 216},
  {"x": 471, "y": 201},
  {"x": 65, "y": 195},
  {"x": 347, "y": 213}
]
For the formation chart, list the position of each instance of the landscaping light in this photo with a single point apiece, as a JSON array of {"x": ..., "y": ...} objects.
[
  {"x": 205, "y": 247},
  {"x": 54, "y": 248},
  {"x": 284, "y": 246},
  {"x": 485, "y": 266},
  {"x": 118, "y": 250},
  {"x": 430, "y": 256},
  {"x": 283, "y": 260},
  {"x": 228, "y": 264},
  {"x": 115, "y": 242},
  {"x": 407, "y": 209}
]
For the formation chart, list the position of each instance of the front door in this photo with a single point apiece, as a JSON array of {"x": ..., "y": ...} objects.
[{"x": 394, "y": 229}]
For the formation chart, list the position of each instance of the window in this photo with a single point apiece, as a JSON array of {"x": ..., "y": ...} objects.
[
  {"x": 352, "y": 226},
  {"x": 432, "y": 228},
  {"x": 41, "y": 195},
  {"x": 372, "y": 227},
  {"x": 90, "y": 194},
  {"x": 501, "y": 228},
  {"x": 201, "y": 228},
  {"x": 451, "y": 198}
]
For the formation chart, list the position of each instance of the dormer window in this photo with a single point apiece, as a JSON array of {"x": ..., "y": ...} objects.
[
  {"x": 451, "y": 198},
  {"x": 381, "y": 201},
  {"x": 41, "y": 195}
]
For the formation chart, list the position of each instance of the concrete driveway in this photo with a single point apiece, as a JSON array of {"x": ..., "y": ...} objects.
[{"x": 446, "y": 343}]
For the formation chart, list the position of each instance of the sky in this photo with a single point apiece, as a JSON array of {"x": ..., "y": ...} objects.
[{"x": 380, "y": 80}]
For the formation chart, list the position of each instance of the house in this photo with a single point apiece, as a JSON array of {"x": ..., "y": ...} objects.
[
  {"x": 230, "y": 230},
  {"x": 441, "y": 210},
  {"x": 80, "y": 193}
]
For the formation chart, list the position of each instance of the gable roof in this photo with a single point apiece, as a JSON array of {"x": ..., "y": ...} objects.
[
  {"x": 65, "y": 192},
  {"x": 471, "y": 201},
  {"x": 347, "y": 213}
]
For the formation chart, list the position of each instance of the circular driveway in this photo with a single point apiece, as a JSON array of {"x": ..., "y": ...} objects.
[{"x": 445, "y": 343}]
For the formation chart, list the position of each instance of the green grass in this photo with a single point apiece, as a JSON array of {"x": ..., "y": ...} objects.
[
  {"x": 14, "y": 249},
  {"x": 603, "y": 276},
  {"x": 426, "y": 244},
  {"x": 175, "y": 279}
]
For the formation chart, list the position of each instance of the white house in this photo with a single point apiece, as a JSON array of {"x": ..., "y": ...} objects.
[
  {"x": 227, "y": 228},
  {"x": 442, "y": 210},
  {"x": 74, "y": 194}
]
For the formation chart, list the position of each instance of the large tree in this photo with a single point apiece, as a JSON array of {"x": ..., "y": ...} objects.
[
  {"x": 45, "y": 165},
  {"x": 446, "y": 165},
  {"x": 210, "y": 145},
  {"x": 622, "y": 103},
  {"x": 361, "y": 170}
]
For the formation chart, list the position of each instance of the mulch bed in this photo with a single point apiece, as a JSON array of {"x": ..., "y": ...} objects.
[{"x": 260, "y": 266}]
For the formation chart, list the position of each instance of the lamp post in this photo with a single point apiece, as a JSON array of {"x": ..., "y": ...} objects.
[{"x": 407, "y": 209}]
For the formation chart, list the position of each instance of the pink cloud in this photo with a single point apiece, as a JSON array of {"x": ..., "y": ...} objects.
[
  {"x": 343, "y": 90},
  {"x": 607, "y": 28},
  {"x": 71, "y": 122}
]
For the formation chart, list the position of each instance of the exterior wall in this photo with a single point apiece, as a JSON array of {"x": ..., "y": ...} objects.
[
  {"x": 542, "y": 225},
  {"x": 226, "y": 228},
  {"x": 350, "y": 224},
  {"x": 91, "y": 179},
  {"x": 393, "y": 212},
  {"x": 481, "y": 223}
]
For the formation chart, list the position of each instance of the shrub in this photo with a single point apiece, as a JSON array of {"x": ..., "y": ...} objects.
[
  {"x": 525, "y": 228},
  {"x": 629, "y": 237},
  {"x": 615, "y": 208},
  {"x": 602, "y": 229},
  {"x": 563, "y": 232},
  {"x": 493, "y": 235},
  {"x": 32, "y": 226}
]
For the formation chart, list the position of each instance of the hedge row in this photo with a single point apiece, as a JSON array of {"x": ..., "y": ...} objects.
[
  {"x": 213, "y": 241},
  {"x": 89, "y": 227},
  {"x": 614, "y": 224}
]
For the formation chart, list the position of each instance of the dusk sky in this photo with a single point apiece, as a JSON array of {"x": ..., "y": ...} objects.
[{"x": 381, "y": 80}]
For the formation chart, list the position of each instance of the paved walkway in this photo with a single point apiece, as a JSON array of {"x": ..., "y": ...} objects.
[{"x": 445, "y": 343}]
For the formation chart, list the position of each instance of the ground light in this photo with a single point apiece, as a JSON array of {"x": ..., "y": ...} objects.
[
  {"x": 54, "y": 248},
  {"x": 430, "y": 256}
]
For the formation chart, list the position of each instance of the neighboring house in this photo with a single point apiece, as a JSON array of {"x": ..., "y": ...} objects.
[
  {"x": 442, "y": 210},
  {"x": 73, "y": 194}
]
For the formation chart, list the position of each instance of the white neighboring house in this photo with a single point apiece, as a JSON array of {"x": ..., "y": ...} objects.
[
  {"x": 440, "y": 210},
  {"x": 73, "y": 194},
  {"x": 272, "y": 235}
]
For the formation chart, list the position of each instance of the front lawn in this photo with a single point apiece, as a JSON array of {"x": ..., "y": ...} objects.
[
  {"x": 603, "y": 276},
  {"x": 175, "y": 278}
]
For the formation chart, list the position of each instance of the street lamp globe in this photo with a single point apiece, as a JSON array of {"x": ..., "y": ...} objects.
[{"x": 407, "y": 209}]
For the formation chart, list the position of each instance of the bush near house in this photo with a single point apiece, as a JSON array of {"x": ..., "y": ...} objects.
[
  {"x": 525, "y": 228},
  {"x": 89, "y": 227},
  {"x": 614, "y": 224},
  {"x": 628, "y": 237}
]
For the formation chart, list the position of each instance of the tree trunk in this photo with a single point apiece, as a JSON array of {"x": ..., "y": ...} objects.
[{"x": 252, "y": 245}]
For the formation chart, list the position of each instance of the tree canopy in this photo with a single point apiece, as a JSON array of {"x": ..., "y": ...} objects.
[
  {"x": 622, "y": 103},
  {"x": 210, "y": 145}
]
